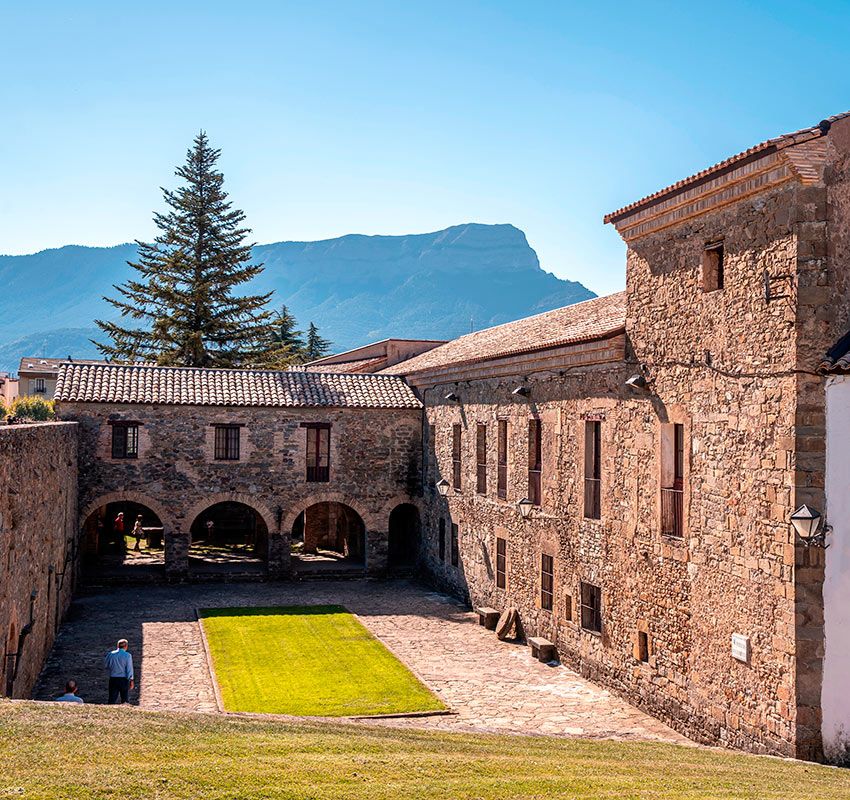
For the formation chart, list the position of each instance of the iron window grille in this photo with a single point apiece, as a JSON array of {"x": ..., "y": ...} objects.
[
  {"x": 592, "y": 469},
  {"x": 501, "y": 563},
  {"x": 456, "y": 450},
  {"x": 227, "y": 442},
  {"x": 547, "y": 582},
  {"x": 481, "y": 459},
  {"x": 502, "y": 477},
  {"x": 591, "y": 607},
  {"x": 455, "y": 545},
  {"x": 535, "y": 461}
]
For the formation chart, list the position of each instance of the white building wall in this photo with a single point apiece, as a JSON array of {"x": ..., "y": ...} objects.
[{"x": 835, "y": 697}]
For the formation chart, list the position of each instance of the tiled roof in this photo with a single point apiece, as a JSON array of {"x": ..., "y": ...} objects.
[
  {"x": 358, "y": 365},
  {"x": 837, "y": 360},
  {"x": 581, "y": 322},
  {"x": 778, "y": 143},
  {"x": 109, "y": 383}
]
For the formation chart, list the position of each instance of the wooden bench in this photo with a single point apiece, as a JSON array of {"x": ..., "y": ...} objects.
[
  {"x": 488, "y": 617},
  {"x": 542, "y": 649}
]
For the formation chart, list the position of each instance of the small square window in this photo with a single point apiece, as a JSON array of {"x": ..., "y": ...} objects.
[{"x": 712, "y": 267}]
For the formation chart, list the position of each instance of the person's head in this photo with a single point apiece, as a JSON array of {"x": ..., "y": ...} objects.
[
  {"x": 139, "y": 518},
  {"x": 123, "y": 644},
  {"x": 120, "y": 515},
  {"x": 71, "y": 687}
]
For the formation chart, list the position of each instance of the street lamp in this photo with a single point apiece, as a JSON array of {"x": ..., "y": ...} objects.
[
  {"x": 807, "y": 522},
  {"x": 525, "y": 505},
  {"x": 443, "y": 487}
]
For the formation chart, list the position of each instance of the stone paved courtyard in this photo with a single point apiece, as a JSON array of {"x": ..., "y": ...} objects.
[{"x": 490, "y": 685}]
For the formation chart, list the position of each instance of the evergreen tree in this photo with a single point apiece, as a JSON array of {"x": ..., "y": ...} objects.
[
  {"x": 183, "y": 296},
  {"x": 286, "y": 343},
  {"x": 316, "y": 345}
]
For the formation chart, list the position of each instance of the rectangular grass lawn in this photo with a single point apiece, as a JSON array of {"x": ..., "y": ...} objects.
[{"x": 307, "y": 661}]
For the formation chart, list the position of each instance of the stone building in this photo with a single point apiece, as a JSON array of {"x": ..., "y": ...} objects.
[
  {"x": 660, "y": 440},
  {"x": 373, "y": 357},
  {"x": 203, "y": 454},
  {"x": 38, "y": 540}
]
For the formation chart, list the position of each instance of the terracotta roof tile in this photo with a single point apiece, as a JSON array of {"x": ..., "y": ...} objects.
[
  {"x": 591, "y": 319},
  {"x": 110, "y": 383},
  {"x": 777, "y": 143},
  {"x": 359, "y": 365}
]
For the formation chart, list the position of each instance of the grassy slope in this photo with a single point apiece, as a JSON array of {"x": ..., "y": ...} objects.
[
  {"x": 86, "y": 752},
  {"x": 307, "y": 661}
]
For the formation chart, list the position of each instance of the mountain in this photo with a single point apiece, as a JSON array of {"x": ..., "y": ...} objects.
[{"x": 356, "y": 288}]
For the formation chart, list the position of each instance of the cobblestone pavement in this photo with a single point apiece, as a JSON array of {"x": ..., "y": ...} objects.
[{"x": 491, "y": 685}]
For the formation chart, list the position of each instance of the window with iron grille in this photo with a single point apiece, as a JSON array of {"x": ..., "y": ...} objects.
[
  {"x": 442, "y": 539},
  {"x": 40, "y": 387},
  {"x": 456, "y": 446},
  {"x": 481, "y": 459},
  {"x": 125, "y": 440},
  {"x": 502, "y": 478},
  {"x": 591, "y": 607},
  {"x": 535, "y": 460},
  {"x": 455, "y": 546},
  {"x": 318, "y": 452},
  {"x": 592, "y": 469},
  {"x": 227, "y": 442},
  {"x": 672, "y": 479},
  {"x": 547, "y": 582},
  {"x": 501, "y": 563}
]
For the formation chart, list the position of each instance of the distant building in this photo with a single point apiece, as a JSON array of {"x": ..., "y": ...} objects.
[
  {"x": 8, "y": 388},
  {"x": 37, "y": 375},
  {"x": 373, "y": 357}
]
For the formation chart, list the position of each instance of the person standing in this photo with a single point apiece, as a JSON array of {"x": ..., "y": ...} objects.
[
  {"x": 138, "y": 531},
  {"x": 118, "y": 530},
  {"x": 120, "y": 665},
  {"x": 70, "y": 695}
]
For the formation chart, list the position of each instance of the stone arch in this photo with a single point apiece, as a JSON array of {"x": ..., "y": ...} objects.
[
  {"x": 232, "y": 497},
  {"x": 370, "y": 520},
  {"x": 399, "y": 499},
  {"x": 129, "y": 497}
]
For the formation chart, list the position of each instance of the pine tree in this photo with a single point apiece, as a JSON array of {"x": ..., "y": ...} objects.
[
  {"x": 316, "y": 345},
  {"x": 286, "y": 343},
  {"x": 183, "y": 296}
]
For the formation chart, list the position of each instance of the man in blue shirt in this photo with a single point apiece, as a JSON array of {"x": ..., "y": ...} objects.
[
  {"x": 70, "y": 695},
  {"x": 120, "y": 665}
]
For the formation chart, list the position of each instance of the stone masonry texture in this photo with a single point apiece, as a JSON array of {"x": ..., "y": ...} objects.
[{"x": 38, "y": 532}]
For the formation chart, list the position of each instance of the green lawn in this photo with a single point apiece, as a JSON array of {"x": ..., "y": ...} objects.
[
  {"x": 51, "y": 752},
  {"x": 307, "y": 661}
]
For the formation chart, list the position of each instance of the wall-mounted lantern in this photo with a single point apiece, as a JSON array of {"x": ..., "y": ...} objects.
[
  {"x": 810, "y": 527},
  {"x": 521, "y": 391},
  {"x": 442, "y": 487},
  {"x": 525, "y": 505},
  {"x": 452, "y": 397}
]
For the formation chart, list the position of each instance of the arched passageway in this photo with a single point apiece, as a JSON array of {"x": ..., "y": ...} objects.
[
  {"x": 404, "y": 532},
  {"x": 228, "y": 537},
  {"x": 121, "y": 539},
  {"x": 328, "y": 536}
]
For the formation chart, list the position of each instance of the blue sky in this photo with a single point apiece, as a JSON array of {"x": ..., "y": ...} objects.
[{"x": 397, "y": 117}]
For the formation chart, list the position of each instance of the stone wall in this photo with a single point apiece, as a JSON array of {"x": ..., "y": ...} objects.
[
  {"x": 723, "y": 364},
  {"x": 38, "y": 564},
  {"x": 374, "y": 465}
]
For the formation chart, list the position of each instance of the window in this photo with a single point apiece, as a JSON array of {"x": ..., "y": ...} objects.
[
  {"x": 456, "y": 444},
  {"x": 672, "y": 479},
  {"x": 481, "y": 459},
  {"x": 535, "y": 460},
  {"x": 318, "y": 452},
  {"x": 40, "y": 387},
  {"x": 502, "y": 477},
  {"x": 591, "y": 607},
  {"x": 568, "y": 608},
  {"x": 643, "y": 646},
  {"x": 227, "y": 442},
  {"x": 125, "y": 440},
  {"x": 592, "y": 469},
  {"x": 442, "y": 540},
  {"x": 547, "y": 582},
  {"x": 455, "y": 545},
  {"x": 501, "y": 563},
  {"x": 712, "y": 267}
]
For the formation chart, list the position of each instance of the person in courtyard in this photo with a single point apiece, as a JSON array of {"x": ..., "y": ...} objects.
[
  {"x": 118, "y": 530},
  {"x": 119, "y": 662},
  {"x": 70, "y": 695},
  {"x": 138, "y": 532}
]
